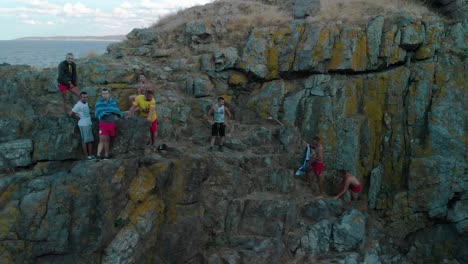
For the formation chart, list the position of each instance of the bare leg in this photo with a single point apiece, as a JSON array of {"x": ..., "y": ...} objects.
[
  {"x": 106, "y": 145},
  {"x": 308, "y": 177},
  {"x": 64, "y": 97},
  {"x": 75, "y": 91},
  {"x": 90, "y": 148},
  {"x": 153, "y": 138},
  {"x": 213, "y": 140},
  {"x": 100, "y": 145},
  {"x": 354, "y": 196},
  {"x": 83, "y": 147},
  {"x": 319, "y": 180},
  {"x": 222, "y": 141}
]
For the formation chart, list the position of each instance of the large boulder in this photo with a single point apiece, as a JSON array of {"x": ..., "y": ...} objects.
[
  {"x": 16, "y": 153},
  {"x": 350, "y": 231}
]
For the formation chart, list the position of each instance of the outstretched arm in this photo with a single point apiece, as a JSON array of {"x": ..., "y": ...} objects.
[
  {"x": 345, "y": 189},
  {"x": 150, "y": 114},
  {"x": 132, "y": 111}
]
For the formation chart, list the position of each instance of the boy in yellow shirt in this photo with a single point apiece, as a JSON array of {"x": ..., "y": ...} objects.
[{"x": 146, "y": 106}]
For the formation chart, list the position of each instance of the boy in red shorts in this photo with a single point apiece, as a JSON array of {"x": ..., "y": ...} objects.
[
  {"x": 106, "y": 111},
  {"x": 349, "y": 183},
  {"x": 316, "y": 163},
  {"x": 146, "y": 106},
  {"x": 67, "y": 79}
]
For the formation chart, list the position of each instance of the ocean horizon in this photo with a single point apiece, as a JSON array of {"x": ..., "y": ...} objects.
[{"x": 48, "y": 53}]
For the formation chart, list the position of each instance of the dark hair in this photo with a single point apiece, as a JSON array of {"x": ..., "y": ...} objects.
[
  {"x": 220, "y": 98},
  {"x": 342, "y": 171},
  {"x": 149, "y": 92},
  {"x": 316, "y": 138},
  {"x": 105, "y": 89},
  {"x": 83, "y": 93}
]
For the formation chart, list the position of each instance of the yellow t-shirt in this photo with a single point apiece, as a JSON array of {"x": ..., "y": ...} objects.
[{"x": 144, "y": 107}]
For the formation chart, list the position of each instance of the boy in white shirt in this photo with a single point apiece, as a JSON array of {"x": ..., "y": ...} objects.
[{"x": 81, "y": 111}]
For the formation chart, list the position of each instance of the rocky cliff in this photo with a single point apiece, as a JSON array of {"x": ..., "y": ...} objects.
[{"x": 387, "y": 97}]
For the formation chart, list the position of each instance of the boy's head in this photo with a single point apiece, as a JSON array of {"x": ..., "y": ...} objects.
[
  {"x": 342, "y": 172},
  {"x": 84, "y": 97},
  {"x": 148, "y": 95},
  {"x": 69, "y": 57},
  {"x": 220, "y": 101},
  {"x": 315, "y": 140},
  {"x": 105, "y": 93}
]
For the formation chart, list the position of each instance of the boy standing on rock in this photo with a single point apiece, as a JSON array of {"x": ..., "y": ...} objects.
[
  {"x": 316, "y": 163},
  {"x": 217, "y": 117},
  {"x": 147, "y": 109},
  {"x": 67, "y": 79},
  {"x": 106, "y": 111},
  {"x": 81, "y": 111}
]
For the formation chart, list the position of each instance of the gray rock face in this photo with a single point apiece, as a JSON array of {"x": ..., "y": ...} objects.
[
  {"x": 16, "y": 153},
  {"x": 386, "y": 99},
  {"x": 318, "y": 238},
  {"x": 374, "y": 188},
  {"x": 323, "y": 209},
  {"x": 349, "y": 232},
  {"x": 457, "y": 9},
  {"x": 143, "y": 36},
  {"x": 304, "y": 8},
  {"x": 199, "y": 32}
]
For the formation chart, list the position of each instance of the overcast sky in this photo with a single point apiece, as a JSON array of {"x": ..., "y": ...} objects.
[{"x": 45, "y": 18}]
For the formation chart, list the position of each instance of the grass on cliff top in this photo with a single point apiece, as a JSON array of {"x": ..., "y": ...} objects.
[
  {"x": 359, "y": 11},
  {"x": 246, "y": 14},
  {"x": 233, "y": 20}
]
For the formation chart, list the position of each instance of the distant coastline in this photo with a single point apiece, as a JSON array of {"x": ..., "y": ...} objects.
[{"x": 78, "y": 38}]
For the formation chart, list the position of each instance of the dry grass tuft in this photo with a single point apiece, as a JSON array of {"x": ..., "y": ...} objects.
[
  {"x": 359, "y": 11},
  {"x": 91, "y": 54}
]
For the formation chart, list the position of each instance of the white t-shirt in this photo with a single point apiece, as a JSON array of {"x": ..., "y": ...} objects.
[{"x": 82, "y": 110}]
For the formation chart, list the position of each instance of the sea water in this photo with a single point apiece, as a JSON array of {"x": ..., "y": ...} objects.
[{"x": 47, "y": 53}]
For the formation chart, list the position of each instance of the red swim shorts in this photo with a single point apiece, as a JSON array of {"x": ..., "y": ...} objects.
[
  {"x": 356, "y": 188},
  {"x": 106, "y": 129},
  {"x": 62, "y": 88},
  {"x": 318, "y": 167},
  {"x": 154, "y": 126}
]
